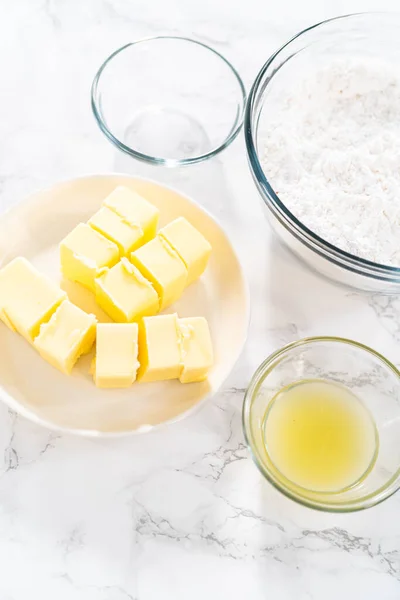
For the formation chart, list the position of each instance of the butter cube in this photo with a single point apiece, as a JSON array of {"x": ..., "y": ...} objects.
[
  {"x": 116, "y": 361},
  {"x": 135, "y": 211},
  {"x": 125, "y": 235},
  {"x": 159, "y": 348},
  {"x": 124, "y": 294},
  {"x": 161, "y": 265},
  {"x": 84, "y": 253},
  {"x": 190, "y": 244},
  {"x": 196, "y": 349},
  {"x": 69, "y": 334},
  {"x": 27, "y": 298}
]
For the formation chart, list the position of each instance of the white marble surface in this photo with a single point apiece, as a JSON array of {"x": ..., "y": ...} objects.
[{"x": 182, "y": 512}]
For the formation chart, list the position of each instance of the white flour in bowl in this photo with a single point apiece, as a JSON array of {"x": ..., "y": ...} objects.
[{"x": 332, "y": 155}]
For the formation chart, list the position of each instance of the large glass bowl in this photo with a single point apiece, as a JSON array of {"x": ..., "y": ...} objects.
[
  {"x": 361, "y": 35},
  {"x": 368, "y": 375},
  {"x": 168, "y": 100}
]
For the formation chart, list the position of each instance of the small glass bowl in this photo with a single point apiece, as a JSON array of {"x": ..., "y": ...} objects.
[
  {"x": 370, "y": 376},
  {"x": 168, "y": 100}
]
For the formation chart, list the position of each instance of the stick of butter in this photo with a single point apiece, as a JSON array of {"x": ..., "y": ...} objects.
[
  {"x": 69, "y": 334},
  {"x": 196, "y": 349},
  {"x": 27, "y": 298},
  {"x": 134, "y": 210},
  {"x": 116, "y": 363},
  {"x": 127, "y": 236},
  {"x": 124, "y": 294},
  {"x": 84, "y": 253},
  {"x": 159, "y": 350},
  {"x": 190, "y": 244},
  {"x": 172, "y": 348},
  {"x": 160, "y": 264}
]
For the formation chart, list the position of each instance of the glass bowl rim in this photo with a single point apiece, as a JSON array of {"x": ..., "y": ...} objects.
[
  {"x": 266, "y": 367},
  {"x": 332, "y": 253},
  {"x": 157, "y": 160}
]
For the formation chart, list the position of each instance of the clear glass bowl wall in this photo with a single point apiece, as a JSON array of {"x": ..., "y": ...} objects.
[
  {"x": 368, "y": 375},
  {"x": 364, "y": 35},
  {"x": 168, "y": 100}
]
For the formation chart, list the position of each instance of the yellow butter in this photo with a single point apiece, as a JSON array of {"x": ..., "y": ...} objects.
[
  {"x": 116, "y": 361},
  {"x": 124, "y": 294},
  {"x": 190, "y": 244},
  {"x": 127, "y": 236},
  {"x": 69, "y": 334},
  {"x": 196, "y": 349},
  {"x": 27, "y": 298},
  {"x": 136, "y": 211},
  {"x": 84, "y": 253},
  {"x": 161, "y": 265},
  {"x": 159, "y": 348}
]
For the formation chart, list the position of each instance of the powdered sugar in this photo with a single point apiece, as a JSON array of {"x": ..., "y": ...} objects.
[{"x": 332, "y": 154}]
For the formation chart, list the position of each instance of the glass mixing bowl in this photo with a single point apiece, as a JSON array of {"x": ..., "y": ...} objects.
[
  {"x": 362, "y": 35},
  {"x": 362, "y": 371},
  {"x": 168, "y": 100}
]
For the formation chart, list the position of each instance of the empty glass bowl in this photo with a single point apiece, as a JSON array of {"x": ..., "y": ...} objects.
[
  {"x": 364, "y": 373},
  {"x": 168, "y": 100}
]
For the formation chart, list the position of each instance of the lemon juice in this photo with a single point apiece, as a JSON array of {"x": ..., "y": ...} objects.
[{"x": 320, "y": 436}]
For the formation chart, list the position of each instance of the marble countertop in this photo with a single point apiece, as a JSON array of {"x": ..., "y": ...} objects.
[{"x": 182, "y": 512}]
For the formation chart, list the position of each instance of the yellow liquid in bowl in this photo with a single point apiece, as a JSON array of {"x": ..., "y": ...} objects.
[{"x": 320, "y": 436}]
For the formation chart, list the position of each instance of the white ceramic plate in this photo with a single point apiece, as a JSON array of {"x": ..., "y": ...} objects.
[{"x": 38, "y": 391}]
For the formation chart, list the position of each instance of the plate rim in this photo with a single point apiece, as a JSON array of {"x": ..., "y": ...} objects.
[{"x": 17, "y": 407}]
